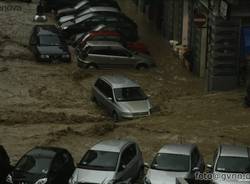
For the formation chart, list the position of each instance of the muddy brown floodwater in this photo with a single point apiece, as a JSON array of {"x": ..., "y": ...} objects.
[{"x": 49, "y": 104}]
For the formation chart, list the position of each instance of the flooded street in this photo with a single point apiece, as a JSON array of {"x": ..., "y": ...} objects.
[{"x": 49, "y": 104}]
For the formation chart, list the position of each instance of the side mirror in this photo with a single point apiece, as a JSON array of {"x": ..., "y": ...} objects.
[{"x": 122, "y": 167}]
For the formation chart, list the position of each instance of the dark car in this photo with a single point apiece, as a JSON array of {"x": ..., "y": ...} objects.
[
  {"x": 88, "y": 22},
  {"x": 5, "y": 167},
  {"x": 84, "y": 4},
  {"x": 47, "y": 44},
  {"x": 42, "y": 165}
]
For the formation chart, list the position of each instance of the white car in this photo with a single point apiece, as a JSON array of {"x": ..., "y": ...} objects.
[
  {"x": 109, "y": 162},
  {"x": 174, "y": 161}
]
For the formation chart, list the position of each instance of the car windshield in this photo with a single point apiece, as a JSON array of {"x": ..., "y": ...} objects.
[
  {"x": 233, "y": 164},
  {"x": 80, "y": 4},
  {"x": 129, "y": 94},
  {"x": 171, "y": 162},
  {"x": 34, "y": 165},
  {"x": 99, "y": 160},
  {"x": 49, "y": 40}
]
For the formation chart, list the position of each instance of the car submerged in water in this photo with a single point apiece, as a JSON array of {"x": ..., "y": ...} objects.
[{"x": 47, "y": 44}]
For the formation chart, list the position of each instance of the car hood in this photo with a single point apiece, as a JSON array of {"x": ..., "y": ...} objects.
[
  {"x": 24, "y": 177},
  {"x": 230, "y": 178},
  {"x": 66, "y": 18},
  {"x": 65, "y": 10},
  {"x": 93, "y": 176},
  {"x": 136, "y": 106},
  {"x": 164, "y": 177},
  {"x": 52, "y": 50}
]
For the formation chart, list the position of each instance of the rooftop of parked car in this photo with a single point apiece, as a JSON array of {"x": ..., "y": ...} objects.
[
  {"x": 46, "y": 29},
  {"x": 99, "y": 8},
  {"x": 119, "y": 81},
  {"x": 103, "y": 44},
  {"x": 49, "y": 152},
  {"x": 233, "y": 151},
  {"x": 182, "y": 149},
  {"x": 113, "y": 145}
]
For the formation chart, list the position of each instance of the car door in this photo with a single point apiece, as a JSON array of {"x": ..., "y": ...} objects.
[
  {"x": 100, "y": 56},
  {"x": 128, "y": 166},
  {"x": 121, "y": 58}
]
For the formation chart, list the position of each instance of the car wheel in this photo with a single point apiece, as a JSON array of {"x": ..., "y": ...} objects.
[
  {"x": 142, "y": 67},
  {"x": 91, "y": 66},
  {"x": 115, "y": 117}
]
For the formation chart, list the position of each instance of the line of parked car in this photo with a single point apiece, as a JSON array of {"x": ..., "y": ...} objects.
[
  {"x": 103, "y": 36},
  {"x": 121, "y": 161}
]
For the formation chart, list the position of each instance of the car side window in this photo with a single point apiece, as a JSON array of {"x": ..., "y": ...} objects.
[
  {"x": 119, "y": 52},
  {"x": 99, "y": 51},
  {"x": 107, "y": 91},
  {"x": 104, "y": 88},
  {"x": 128, "y": 154}
]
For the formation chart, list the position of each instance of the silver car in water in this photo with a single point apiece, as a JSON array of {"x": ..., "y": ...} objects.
[
  {"x": 174, "y": 161},
  {"x": 110, "y": 162},
  {"x": 231, "y": 165},
  {"x": 110, "y": 54},
  {"x": 121, "y": 97}
]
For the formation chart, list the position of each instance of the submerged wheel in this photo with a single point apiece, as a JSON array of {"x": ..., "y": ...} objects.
[{"x": 115, "y": 117}]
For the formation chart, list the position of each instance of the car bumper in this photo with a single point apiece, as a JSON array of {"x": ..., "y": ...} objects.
[{"x": 134, "y": 115}]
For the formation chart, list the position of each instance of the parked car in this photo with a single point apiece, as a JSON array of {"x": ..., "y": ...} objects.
[
  {"x": 230, "y": 161},
  {"x": 109, "y": 162},
  {"x": 84, "y": 4},
  {"x": 112, "y": 36},
  {"x": 108, "y": 54},
  {"x": 5, "y": 166},
  {"x": 44, "y": 165},
  {"x": 94, "y": 9},
  {"x": 121, "y": 97},
  {"x": 89, "y": 21},
  {"x": 47, "y": 44},
  {"x": 175, "y": 161},
  {"x": 55, "y": 5},
  {"x": 127, "y": 34}
]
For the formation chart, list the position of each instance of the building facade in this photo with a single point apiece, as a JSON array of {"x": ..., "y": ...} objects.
[{"x": 217, "y": 33}]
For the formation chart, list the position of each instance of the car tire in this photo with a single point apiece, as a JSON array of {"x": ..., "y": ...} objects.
[
  {"x": 91, "y": 66},
  {"x": 142, "y": 67},
  {"x": 115, "y": 117}
]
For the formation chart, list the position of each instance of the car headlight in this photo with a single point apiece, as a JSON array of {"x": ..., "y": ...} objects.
[
  {"x": 64, "y": 27},
  {"x": 41, "y": 181},
  {"x": 9, "y": 179},
  {"x": 147, "y": 181},
  {"x": 44, "y": 56}
]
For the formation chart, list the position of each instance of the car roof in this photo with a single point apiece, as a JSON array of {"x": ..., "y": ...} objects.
[
  {"x": 112, "y": 145},
  {"x": 234, "y": 151},
  {"x": 119, "y": 81},
  {"x": 180, "y": 149},
  {"x": 101, "y": 8},
  {"x": 46, "y": 30},
  {"x": 49, "y": 152},
  {"x": 104, "y": 44}
]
